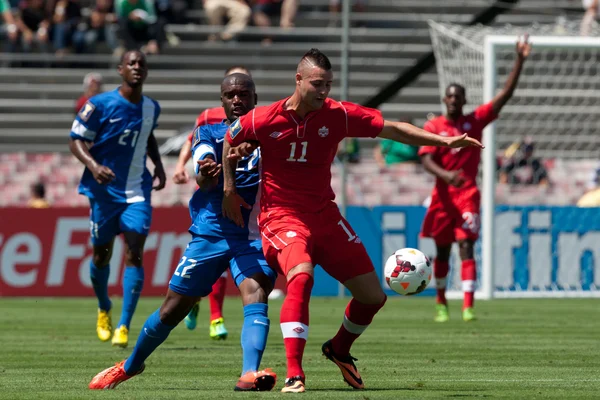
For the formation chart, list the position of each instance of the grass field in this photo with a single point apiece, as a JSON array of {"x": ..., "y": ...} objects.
[{"x": 519, "y": 349}]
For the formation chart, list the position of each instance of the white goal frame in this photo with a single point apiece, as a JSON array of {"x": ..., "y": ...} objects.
[{"x": 488, "y": 236}]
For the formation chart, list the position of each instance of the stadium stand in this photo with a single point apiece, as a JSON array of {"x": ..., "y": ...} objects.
[{"x": 36, "y": 103}]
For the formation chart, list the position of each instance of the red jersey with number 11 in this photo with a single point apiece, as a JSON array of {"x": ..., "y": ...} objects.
[{"x": 297, "y": 153}]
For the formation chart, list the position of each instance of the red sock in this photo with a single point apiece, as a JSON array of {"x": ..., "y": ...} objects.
[
  {"x": 440, "y": 271},
  {"x": 216, "y": 298},
  {"x": 294, "y": 321},
  {"x": 357, "y": 318},
  {"x": 469, "y": 281}
]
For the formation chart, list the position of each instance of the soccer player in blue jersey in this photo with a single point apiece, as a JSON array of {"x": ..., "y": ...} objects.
[
  {"x": 111, "y": 136},
  {"x": 217, "y": 244}
]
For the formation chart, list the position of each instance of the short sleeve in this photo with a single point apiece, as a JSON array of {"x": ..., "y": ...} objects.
[
  {"x": 485, "y": 113},
  {"x": 202, "y": 118},
  {"x": 242, "y": 130},
  {"x": 87, "y": 122},
  {"x": 202, "y": 146},
  {"x": 362, "y": 121},
  {"x": 429, "y": 127}
]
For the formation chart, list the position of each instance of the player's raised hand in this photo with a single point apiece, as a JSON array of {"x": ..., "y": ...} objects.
[
  {"x": 523, "y": 46},
  {"x": 209, "y": 168},
  {"x": 462, "y": 141},
  {"x": 232, "y": 207},
  {"x": 241, "y": 151},
  {"x": 159, "y": 173},
  {"x": 181, "y": 176},
  {"x": 103, "y": 175}
]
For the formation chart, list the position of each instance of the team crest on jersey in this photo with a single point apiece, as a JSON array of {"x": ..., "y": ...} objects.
[
  {"x": 86, "y": 111},
  {"x": 235, "y": 128},
  {"x": 275, "y": 135},
  {"x": 323, "y": 131},
  {"x": 467, "y": 126}
]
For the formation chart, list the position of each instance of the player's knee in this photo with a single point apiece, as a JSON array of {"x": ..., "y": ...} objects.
[
  {"x": 134, "y": 258},
  {"x": 176, "y": 307},
  {"x": 443, "y": 252},
  {"x": 302, "y": 268},
  {"x": 101, "y": 256},
  {"x": 466, "y": 249}
]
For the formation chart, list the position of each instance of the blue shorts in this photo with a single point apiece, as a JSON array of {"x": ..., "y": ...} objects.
[
  {"x": 107, "y": 220},
  {"x": 206, "y": 258}
]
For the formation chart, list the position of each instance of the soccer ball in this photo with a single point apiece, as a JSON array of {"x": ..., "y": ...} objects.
[{"x": 408, "y": 271}]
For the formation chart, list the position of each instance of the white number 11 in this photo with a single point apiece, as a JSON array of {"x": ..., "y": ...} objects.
[{"x": 293, "y": 152}]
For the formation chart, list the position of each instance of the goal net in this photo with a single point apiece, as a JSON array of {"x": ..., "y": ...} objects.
[{"x": 541, "y": 156}]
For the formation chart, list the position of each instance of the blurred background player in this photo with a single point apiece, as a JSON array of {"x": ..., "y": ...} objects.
[
  {"x": 92, "y": 85},
  {"x": 210, "y": 116},
  {"x": 217, "y": 244},
  {"x": 38, "y": 196},
  {"x": 119, "y": 125},
  {"x": 453, "y": 214},
  {"x": 300, "y": 223}
]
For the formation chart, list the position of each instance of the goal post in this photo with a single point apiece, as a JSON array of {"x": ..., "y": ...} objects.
[{"x": 557, "y": 102}]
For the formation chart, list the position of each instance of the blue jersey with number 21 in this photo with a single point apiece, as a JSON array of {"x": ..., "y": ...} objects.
[{"x": 119, "y": 131}]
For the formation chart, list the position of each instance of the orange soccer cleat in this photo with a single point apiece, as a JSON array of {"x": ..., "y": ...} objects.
[
  {"x": 111, "y": 377},
  {"x": 346, "y": 366},
  {"x": 261, "y": 381}
]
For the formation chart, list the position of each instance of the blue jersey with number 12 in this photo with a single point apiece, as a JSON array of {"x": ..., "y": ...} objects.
[
  {"x": 205, "y": 207},
  {"x": 119, "y": 131}
]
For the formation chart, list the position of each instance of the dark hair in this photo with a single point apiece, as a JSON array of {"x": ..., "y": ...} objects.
[
  {"x": 318, "y": 58},
  {"x": 39, "y": 190},
  {"x": 459, "y": 87},
  {"x": 228, "y": 70}
]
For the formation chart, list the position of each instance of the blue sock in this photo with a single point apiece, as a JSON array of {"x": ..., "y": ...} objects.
[
  {"x": 152, "y": 335},
  {"x": 254, "y": 335},
  {"x": 133, "y": 282},
  {"x": 99, "y": 277}
]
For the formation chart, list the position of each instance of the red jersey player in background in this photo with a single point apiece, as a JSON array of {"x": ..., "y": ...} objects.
[
  {"x": 454, "y": 211},
  {"x": 216, "y": 298},
  {"x": 300, "y": 223}
]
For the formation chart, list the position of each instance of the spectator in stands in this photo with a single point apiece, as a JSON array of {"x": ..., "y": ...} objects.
[
  {"x": 592, "y": 10},
  {"x": 10, "y": 25},
  {"x": 171, "y": 12},
  {"x": 264, "y": 10},
  {"x": 335, "y": 7},
  {"x": 34, "y": 25},
  {"x": 66, "y": 16},
  {"x": 100, "y": 26},
  {"x": 388, "y": 152},
  {"x": 92, "y": 85},
  {"x": 38, "y": 196},
  {"x": 138, "y": 25},
  {"x": 521, "y": 167},
  {"x": 592, "y": 197},
  {"x": 236, "y": 11}
]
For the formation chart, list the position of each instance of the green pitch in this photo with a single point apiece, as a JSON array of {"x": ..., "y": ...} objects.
[{"x": 519, "y": 349}]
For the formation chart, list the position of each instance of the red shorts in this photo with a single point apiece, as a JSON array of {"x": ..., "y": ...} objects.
[
  {"x": 290, "y": 238},
  {"x": 453, "y": 218}
]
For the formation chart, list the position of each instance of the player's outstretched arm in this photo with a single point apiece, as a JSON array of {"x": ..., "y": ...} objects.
[
  {"x": 159, "y": 170},
  {"x": 523, "y": 50},
  {"x": 181, "y": 176},
  {"x": 232, "y": 201},
  {"x": 101, "y": 173},
  {"x": 208, "y": 174},
  {"x": 404, "y": 132}
]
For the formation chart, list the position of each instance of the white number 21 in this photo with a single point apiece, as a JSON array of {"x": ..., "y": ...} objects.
[
  {"x": 302, "y": 158},
  {"x": 124, "y": 135}
]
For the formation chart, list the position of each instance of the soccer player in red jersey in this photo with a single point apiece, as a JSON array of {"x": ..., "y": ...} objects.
[
  {"x": 300, "y": 223},
  {"x": 216, "y": 298},
  {"x": 454, "y": 211}
]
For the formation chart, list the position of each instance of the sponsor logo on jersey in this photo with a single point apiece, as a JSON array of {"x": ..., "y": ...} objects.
[
  {"x": 291, "y": 234},
  {"x": 235, "y": 128},
  {"x": 86, "y": 111},
  {"x": 275, "y": 135},
  {"x": 323, "y": 131}
]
